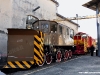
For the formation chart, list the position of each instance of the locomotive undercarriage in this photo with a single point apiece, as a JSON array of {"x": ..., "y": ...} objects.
[{"x": 57, "y": 53}]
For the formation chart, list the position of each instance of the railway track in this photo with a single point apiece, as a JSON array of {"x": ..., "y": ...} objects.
[{"x": 38, "y": 68}]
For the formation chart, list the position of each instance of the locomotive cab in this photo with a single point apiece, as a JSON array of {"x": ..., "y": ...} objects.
[{"x": 49, "y": 28}]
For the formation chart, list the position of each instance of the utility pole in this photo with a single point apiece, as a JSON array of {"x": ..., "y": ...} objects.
[
  {"x": 98, "y": 29},
  {"x": 77, "y": 18}
]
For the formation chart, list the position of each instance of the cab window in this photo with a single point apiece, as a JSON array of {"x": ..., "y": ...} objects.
[
  {"x": 84, "y": 36},
  {"x": 44, "y": 27}
]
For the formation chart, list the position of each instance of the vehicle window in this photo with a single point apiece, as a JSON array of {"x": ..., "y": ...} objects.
[
  {"x": 67, "y": 31},
  {"x": 53, "y": 28},
  {"x": 71, "y": 33},
  {"x": 60, "y": 29},
  {"x": 44, "y": 26},
  {"x": 84, "y": 36}
]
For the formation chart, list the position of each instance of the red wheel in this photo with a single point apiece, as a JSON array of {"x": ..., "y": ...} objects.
[
  {"x": 66, "y": 55},
  {"x": 58, "y": 56},
  {"x": 48, "y": 58},
  {"x": 70, "y": 54}
]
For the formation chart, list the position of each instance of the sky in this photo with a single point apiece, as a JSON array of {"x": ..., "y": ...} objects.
[{"x": 69, "y": 8}]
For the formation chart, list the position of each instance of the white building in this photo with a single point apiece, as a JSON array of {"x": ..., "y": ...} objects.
[{"x": 13, "y": 13}]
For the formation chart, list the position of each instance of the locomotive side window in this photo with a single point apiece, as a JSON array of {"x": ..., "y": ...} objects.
[
  {"x": 29, "y": 21},
  {"x": 60, "y": 29},
  {"x": 71, "y": 33},
  {"x": 67, "y": 31},
  {"x": 53, "y": 28}
]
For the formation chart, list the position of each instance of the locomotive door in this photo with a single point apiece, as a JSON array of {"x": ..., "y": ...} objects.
[{"x": 54, "y": 38}]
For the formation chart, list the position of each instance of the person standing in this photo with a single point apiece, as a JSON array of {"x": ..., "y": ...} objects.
[{"x": 92, "y": 50}]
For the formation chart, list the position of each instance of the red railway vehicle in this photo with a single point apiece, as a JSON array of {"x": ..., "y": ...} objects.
[{"x": 83, "y": 42}]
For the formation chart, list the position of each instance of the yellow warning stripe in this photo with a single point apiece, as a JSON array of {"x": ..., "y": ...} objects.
[
  {"x": 41, "y": 34},
  {"x": 37, "y": 62},
  {"x": 41, "y": 47},
  {"x": 37, "y": 38},
  {"x": 31, "y": 62},
  {"x": 37, "y": 59},
  {"x": 37, "y": 44},
  {"x": 26, "y": 64},
  {"x": 42, "y": 39},
  {"x": 37, "y": 52},
  {"x": 41, "y": 53},
  {"x": 19, "y": 64},
  {"x": 6, "y": 66},
  {"x": 11, "y": 64}
]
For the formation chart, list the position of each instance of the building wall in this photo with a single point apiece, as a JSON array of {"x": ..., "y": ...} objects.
[
  {"x": 14, "y": 12},
  {"x": 5, "y": 14}
]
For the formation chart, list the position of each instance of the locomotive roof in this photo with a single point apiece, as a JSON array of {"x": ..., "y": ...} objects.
[
  {"x": 80, "y": 33},
  {"x": 45, "y": 20}
]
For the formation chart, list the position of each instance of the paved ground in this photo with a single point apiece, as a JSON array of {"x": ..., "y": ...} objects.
[
  {"x": 84, "y": 65},
  {"x": 2, "y": 73}
]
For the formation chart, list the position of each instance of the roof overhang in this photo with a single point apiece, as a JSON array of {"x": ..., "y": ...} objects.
[
  {"x": 92, "y": 4},
  {"x": 55, "y": 2}
]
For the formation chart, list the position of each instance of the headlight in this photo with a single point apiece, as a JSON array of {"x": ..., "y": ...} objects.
[{"x": 55, "y": 50}]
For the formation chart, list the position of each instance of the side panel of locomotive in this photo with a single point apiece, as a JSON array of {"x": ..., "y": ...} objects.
[{"x": 55, "y": 46}]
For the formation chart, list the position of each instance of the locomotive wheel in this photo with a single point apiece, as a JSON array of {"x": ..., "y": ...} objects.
[
  {"x": 48, "y": 58},
  {"x": 66, "y": 55},
  {"x": 70, "y": 54},
  {"x": 44, "y": 59},
  {"x": 58, "y": 56}
]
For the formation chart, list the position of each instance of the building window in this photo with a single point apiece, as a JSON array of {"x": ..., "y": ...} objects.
[{"x": 30, "y": 20}]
